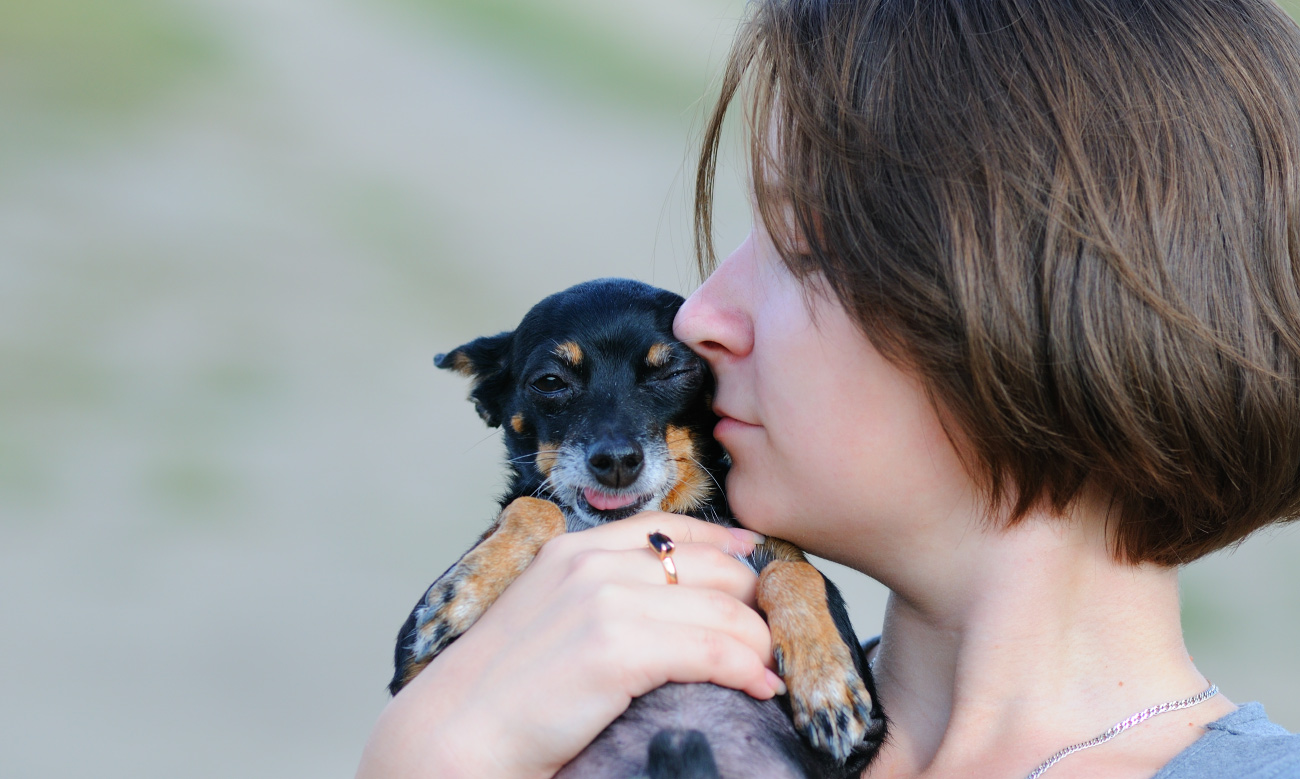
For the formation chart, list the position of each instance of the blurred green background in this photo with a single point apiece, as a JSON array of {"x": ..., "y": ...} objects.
[{"x": 232, "y": 235}]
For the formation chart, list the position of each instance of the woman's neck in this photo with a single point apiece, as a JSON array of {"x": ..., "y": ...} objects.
[{"x": 1033, "y": 640}]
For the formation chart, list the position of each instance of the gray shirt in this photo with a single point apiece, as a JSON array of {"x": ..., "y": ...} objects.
[{"x": 1242, "y": 745}]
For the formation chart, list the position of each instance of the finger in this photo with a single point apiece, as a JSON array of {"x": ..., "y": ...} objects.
[
  {"x": 703, "y": 608},
  {"x": 632, "y": 532},
  {"x": 660, "y": 652},
  {"x": 698, "y": 566}
]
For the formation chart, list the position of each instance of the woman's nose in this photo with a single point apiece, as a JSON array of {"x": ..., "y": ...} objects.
[{"x": 715, "y": 320}]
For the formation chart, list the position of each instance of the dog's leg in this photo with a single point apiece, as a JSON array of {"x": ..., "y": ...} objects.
[
  {"x": 460, "y": 596},
  {"x": 816, "y": 656}
]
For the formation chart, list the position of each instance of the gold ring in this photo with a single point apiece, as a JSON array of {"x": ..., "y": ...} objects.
[{"x": 663, "y": 546}]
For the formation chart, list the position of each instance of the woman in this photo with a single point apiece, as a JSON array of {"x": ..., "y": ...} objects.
[{"x": 1016, "y": 332}]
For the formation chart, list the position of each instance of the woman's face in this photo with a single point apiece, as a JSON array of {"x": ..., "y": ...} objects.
[{"x": 833, "y": 448}]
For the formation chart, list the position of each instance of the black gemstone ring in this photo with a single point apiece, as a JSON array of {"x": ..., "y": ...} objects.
[{"x": 663, "y": 546}]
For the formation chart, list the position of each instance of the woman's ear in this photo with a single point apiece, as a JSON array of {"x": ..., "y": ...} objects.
[{"x": 486, "y": 361}]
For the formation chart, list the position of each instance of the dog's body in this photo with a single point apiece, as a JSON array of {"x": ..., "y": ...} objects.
[{"x": 605, "y": 415}]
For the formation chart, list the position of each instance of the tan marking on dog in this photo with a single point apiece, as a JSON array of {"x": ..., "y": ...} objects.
[
  {"x": 693, "y": 485},
  {"x": 462, "y": 364},
  {"x": 547, "y": 454},
  {"x": 784, "y": 550},
  {"x": 486, "y": 570},
  {"x": 816, "y": 665},
  {"x": 570, "y": 352},
  {"x": 658, "y": 355},
  {"x": 517, "y": 423}
]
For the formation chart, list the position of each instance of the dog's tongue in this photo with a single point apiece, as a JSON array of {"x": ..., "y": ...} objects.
[{"x": 603, "y": 501}]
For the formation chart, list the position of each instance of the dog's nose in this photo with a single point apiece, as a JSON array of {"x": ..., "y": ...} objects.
[{"x": 615, "y": 463}]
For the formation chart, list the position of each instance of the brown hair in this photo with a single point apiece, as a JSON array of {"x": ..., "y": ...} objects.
[{"x": 1078, "y": 221}]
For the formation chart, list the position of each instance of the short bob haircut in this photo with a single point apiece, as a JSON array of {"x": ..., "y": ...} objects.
[{"x": 1077, "y": 221}]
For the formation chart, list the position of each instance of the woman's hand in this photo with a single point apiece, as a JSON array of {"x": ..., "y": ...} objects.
[{"x": 590, "y": 625}]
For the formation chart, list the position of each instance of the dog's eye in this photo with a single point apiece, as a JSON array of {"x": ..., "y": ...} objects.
[
  {"x": 685, "y": 372},
  {"x": 550, "y": 384}
]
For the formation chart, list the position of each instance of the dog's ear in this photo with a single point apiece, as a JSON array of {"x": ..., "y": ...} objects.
[{"x": 486, "y": 361}]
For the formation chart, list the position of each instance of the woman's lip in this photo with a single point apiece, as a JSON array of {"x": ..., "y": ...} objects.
[
  {"x": 726, "y": 424},
  {"x": 721, "y": 411}
]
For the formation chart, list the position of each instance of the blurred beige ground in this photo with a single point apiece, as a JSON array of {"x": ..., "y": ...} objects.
[{"x": 232, "y": 235}]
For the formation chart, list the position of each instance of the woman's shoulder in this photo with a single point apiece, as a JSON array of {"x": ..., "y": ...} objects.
[{"x": 1242, "y": 745}]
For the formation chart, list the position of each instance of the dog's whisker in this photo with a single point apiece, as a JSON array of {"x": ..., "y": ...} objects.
[
  {"x": 708, "y": 473},
  {"x": 547, "y": 486},
  {"x": 479, "y": 442}
]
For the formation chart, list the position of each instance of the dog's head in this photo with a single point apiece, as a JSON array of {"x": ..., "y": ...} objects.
[{"x": 603, "y": 411}]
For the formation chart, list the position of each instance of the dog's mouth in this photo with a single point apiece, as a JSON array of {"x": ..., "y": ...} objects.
[{"x": 612, "y": 506}]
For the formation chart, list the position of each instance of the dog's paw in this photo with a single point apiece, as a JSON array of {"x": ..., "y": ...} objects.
[
  {"x": 450, "y": 607},
  {"x": 460, "y": 596},
  {"x": 830, "y": 703}
]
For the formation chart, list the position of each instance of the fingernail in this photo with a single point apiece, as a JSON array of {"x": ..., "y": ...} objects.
[
  {"x": 747, "y": 536},
  {"x": 775, "y": 683}
]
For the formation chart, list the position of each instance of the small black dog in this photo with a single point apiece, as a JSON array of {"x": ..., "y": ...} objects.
[{"x": 606, "y": 415}]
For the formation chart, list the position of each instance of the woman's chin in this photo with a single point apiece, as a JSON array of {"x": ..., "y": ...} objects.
[{"x": 749, "y": 506}]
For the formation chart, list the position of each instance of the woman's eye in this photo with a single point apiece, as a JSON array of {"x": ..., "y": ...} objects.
[{"x": 549, "y": 384}]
